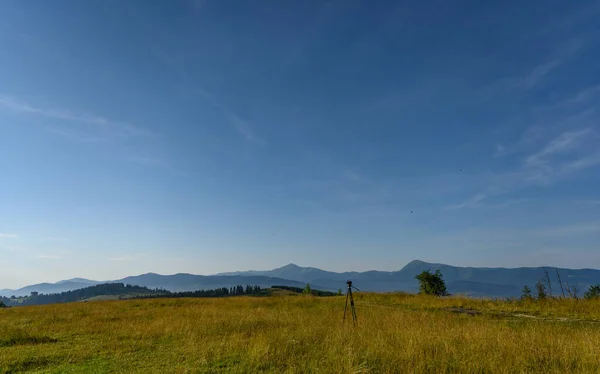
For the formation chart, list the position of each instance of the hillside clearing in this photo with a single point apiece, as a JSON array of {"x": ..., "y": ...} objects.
[{"x": 395, "y": 333}]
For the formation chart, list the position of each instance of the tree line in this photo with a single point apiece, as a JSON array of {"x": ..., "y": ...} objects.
[
  {"x": 238, "y": 290},
  {"x": 307, "y": 290},
  {"x": 125, "y": 291},
  {"x": 112, "y": 289}
]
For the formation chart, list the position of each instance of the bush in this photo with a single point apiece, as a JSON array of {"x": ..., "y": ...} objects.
[
  {"x": 307, "y": 289},
  {"x": 432, "y": 283},
  {"x": 541, "y": 290},
  {"x": 593, "y": 292}
]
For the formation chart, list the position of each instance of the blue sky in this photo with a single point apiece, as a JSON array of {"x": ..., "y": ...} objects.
[{"x": 209, "y": 136}]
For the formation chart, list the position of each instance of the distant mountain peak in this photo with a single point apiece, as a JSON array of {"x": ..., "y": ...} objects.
[
  {"x": 291, "y": 265},
  {"x": 76, "y": 280},
  {"x": 415, "y": 263},
  {"x": 418, "y": 264}
]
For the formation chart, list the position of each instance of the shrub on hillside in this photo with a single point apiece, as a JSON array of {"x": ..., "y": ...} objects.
[
  {"x": 593, "y": 292},
  {"x": 432, "y": 283}
]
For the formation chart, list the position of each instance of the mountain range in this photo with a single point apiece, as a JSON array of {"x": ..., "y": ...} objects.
[{"x": 472, "y": 281}]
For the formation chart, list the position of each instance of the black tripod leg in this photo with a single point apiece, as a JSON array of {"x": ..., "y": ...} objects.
[
  {"x": 346, "y": 306},
  {"x": 353, "y": 309}
]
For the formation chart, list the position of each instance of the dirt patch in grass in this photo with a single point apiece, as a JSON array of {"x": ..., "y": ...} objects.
[
  {"x": 460, "y": 310},
  {"x": 25, "y": 340}
]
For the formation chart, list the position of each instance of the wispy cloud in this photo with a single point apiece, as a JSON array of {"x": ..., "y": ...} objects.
[
  {"x": 561, "y": 55},
  {"x": 535, "y": 76},
  {"x": 353, "y": 176},
  {"x": 241, "y": 125},
  {"x": 49, "y": 257},
  {"x": 11, "y": 248},
  {"x": 569, "y": 152},
  {"x": 7, "y": 235},
  {"x": 580, "y": 228},
  {"x": 538, "y": 73},
  {"x": 114, "y": 128},
  {"x": 197, "y": 5},
  {"x": 89, "y": 128},
  {"x": 119, "y": 258},
  {"x": 502, "y": 150},
  {"x": 584, "y": 94},
  {"x": 565, "y": 142},
  {"x": 56, "y": 238},
  {"x": 560, "y": 158},
  {"x": 470, "y": 202},
  {"x": 128, "y": 257}
]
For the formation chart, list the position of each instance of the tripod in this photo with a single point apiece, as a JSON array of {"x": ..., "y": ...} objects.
[{"x": 349, "y": 296}]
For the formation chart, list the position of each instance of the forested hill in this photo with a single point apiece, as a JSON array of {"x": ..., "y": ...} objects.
[
  {"x": 106, "y": 289},
  {"x": 120, "y": 290}
]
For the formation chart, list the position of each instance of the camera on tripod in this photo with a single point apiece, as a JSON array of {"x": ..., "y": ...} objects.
[{"x": 351, "y": 298}]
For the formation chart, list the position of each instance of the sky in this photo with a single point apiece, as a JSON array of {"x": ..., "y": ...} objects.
[{"x": 211, "y": 136}]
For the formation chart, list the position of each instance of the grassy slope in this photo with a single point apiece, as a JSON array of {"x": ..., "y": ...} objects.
[{"x": 396, "y": 333}]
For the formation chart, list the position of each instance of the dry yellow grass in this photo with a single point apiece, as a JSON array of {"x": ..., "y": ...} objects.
[{"x": 396, "y": 334}]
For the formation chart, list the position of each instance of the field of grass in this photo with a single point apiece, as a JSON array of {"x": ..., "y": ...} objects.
[{"x": 395, "y": 333}]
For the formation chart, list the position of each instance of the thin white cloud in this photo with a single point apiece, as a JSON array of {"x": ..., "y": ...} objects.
[
  {"x": 197, "y": 5},
  {"x": 580, "y": 228},
  {"x": 562, "y": 54},
  {"x": 531, "y": 79},
  {"x": 584, "y": 94},
  {"x": 117, "y": 129},
  {"x": 469, "y": 203},
  {"x": 538, "y": 73},
  {"x": 353, "y": 176},
  {"x": 582, "y": 163},
  {"x": 570, "y": 152},
  {"x": 560, "y": 158},
  {"x": 502, "y": 150},
  {"x": 243, "y": 127},
  {"x": 7, "y": 235},
  {"x": 89, "y": 128},
  {"x": 49, "y": 257},
  {"x": 561, "y": 144},
  {"x": 128, "y": 257},
  {"x": 11, "y": 248},
  {"x": 56, "y": 238}
]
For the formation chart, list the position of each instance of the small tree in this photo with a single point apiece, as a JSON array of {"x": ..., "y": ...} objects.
[
  {"x": 526, "y": 293},
  {"x": 541, "y": 290},
  {"x": 2, "y": 305},
  {"x": 339, "y": 293},
  {"x": 307, "y": 290},
  {"x": 593, "y": 292},
  {"x": 432, "y": 283}
]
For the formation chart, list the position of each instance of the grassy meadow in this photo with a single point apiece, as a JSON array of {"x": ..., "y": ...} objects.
[{"x": 396, "y": 333}]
